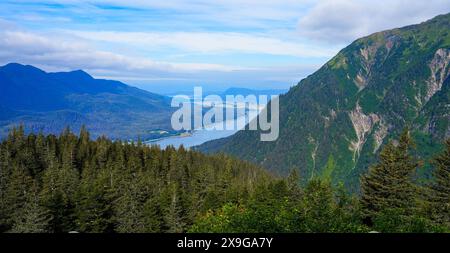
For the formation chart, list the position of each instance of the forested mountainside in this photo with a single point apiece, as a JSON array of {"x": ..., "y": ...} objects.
[
  {"x": 71, "y": 183},
  {"x": 49, "y": 102},
  {"x": 335, "y": 122}
]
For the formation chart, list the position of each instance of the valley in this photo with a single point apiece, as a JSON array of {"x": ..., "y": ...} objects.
[{"x": 227, "y": 117}]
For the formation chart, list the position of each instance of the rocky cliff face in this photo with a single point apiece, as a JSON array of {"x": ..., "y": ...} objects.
[
  {"x": 333, "y": 122},
  {"x": 363, "y": 125},
  {"x": 440, "y": 72}
]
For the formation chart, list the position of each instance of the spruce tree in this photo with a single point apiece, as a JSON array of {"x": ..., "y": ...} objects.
[
  {"x": 4, "y": 175},
  {"x": 173, "y": 218},
  {"x": 34, "y": 217},
  {"x": 94, "y": 202},
  {"x": 129, "y": 212},
  {"x": 388, "y": 184},
  {"x": 293, "y": 183},
  {"x": 153, "y": 215},
  {"x": 16, "y": 195},
  {"x": 438, "y": 193},
  {"x": 60, "y": 182}
]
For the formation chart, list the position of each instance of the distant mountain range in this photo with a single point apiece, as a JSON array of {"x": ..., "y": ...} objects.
[
  {"x": 235, "y": 91},
  {"x": 334, "y": 122},
  {"x": 245, "y": 92},
  {"x": 49, "y": 102}
]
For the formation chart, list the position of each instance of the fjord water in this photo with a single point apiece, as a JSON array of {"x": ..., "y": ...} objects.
[
  {"x": 196, "y": 138},
  {"x": 200, "y": 136}
]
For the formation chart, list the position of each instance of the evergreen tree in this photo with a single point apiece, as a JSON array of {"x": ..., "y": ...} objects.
[
  {"x": 129, "y": 213},
  {"x": 173, "y": 218},
  {"x": 94, "y": 203},
  {"x": 16, "y": 195},
  {"x": 4, "y": 175},
  {"x": 153, "y": 215},
  {"x": 60, "y": 183},
  {"x": 315, "y": 213},
  {"x": 438, "y": 193},
  {"x": 34, "y": 218},
  {"x": 388, "y": 184},
  {"x": 293, "y": 183}
]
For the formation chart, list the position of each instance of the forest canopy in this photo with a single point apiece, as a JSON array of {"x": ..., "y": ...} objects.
[{"x": 72, "y": 183}]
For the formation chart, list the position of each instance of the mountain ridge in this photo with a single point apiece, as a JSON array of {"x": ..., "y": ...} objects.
[
  {"x": 333, "y": 123},
  {"x": 49, "y": 102}
]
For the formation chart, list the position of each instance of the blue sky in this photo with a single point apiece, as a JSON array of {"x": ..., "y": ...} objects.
[{"x": 172, "y": 45}]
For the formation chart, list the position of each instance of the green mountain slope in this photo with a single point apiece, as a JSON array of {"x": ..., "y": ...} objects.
[{"x": 334, "y": 122}]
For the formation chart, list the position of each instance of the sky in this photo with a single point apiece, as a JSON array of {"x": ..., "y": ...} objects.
[{"x": 169, "y": 46}]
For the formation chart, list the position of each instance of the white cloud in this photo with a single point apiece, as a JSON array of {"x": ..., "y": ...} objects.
[
  {"x": 164, "y": 32},
  {"x": 63, "y": 50},
  {"x": 210, "y": 42},
  {"x": 342, "y": 21},
  {"x": 68, "y": 53}
]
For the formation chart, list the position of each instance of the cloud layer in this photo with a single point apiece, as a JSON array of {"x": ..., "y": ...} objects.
[
  {"x": 74, "y": 53},
  {"x": 209, "y": 42},
  {"x": 341, "y": 21},
  {"x": 222, "y": 42}
]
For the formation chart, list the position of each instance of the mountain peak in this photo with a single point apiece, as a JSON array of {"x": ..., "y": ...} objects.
[
  {"x": 15, "y": 67},
  {"x": 80, "y": 74}
]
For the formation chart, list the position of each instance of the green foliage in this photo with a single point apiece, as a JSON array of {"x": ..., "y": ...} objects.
[
  {"x": 388, "y": 184},
  {"x": 101, "y": 186},
  {"x": 34, "y": 217},
  {"x": 324, "y": 209},
  {"x": 68, "y": 183},
  {"x": 392, "y": 201},
  {"x": 438, "y": 192},
  {"x": 394, "y": 220},
  {"x": 327, "y": 171},
  {"x": 278, "y": 209}
]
